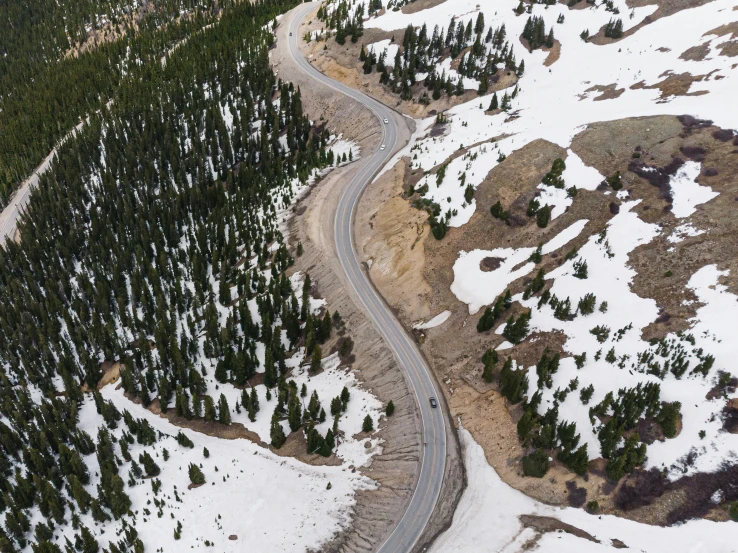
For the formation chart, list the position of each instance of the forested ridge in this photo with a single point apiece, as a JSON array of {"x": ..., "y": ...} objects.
[
  {"x": 154, "y": 241},
  {"x": 45, "y": 91}
]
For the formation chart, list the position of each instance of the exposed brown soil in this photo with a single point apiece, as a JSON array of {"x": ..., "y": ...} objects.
[
  {"x": 675, "y": 84},
  {"x": 554, "y": 54},
  {"x": 397, "y": 261},
  {"x": 724, "y": 30},
  {"x": 490, "y": 263},
  {"x": 729, "y": 48},
  {"x": 111, "y": 373},
  {"x": 609, "y": 92},
  {"x": 696, "y": 53}
]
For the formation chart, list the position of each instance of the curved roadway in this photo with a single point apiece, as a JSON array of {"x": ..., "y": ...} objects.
[{"x": 408, "y": 530}]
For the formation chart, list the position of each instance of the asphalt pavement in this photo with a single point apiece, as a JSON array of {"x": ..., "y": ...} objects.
[{"x": 410, "y": 527}]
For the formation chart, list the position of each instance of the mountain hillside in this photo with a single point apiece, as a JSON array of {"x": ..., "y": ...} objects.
[{"x": 567, "y": 204}]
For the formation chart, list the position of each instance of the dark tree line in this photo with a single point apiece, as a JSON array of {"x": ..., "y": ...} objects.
[
  {"x": 45, "y": 91},
  {"x": 484, "y": 55},
  {"x": 142, "y": 245}
]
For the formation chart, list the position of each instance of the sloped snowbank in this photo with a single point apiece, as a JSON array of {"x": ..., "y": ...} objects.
[
  {"x": 486, "y": 521},
  {"x": 270, "y": 503}
]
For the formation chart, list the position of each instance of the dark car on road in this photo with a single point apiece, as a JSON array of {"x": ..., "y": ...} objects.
[{"x": 433, "y": 402}]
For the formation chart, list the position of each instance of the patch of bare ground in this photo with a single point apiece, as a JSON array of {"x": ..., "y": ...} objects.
[
  {"x": 608, "y": 92},
  {"x": 649, "y": 497},
  {"x": 554, "y": 53},
  {"x": 376, "y": 511},
  {"x": 110, "y": 374},
  {"x": 728, "y": 48},
  {"x": 724, "y": 30},
  {"x": 341, "y": 62},
  {"x": 675, "y": 84},
  {"x": 661, "y": 145}
]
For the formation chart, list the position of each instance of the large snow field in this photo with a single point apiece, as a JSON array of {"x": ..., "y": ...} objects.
[
  {"x": 271, "y": 503},
  {"x": 486, "y": 520}
]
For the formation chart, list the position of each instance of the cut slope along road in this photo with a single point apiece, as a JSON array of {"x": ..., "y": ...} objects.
[{"x": 429, "y": 481}]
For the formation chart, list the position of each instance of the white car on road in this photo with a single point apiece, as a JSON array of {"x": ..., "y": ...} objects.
[
  {"x": 386, "y": 121},
  {"x": 382, "y": 148}
]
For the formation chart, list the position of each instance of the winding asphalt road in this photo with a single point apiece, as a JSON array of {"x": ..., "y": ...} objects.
[{"x": 408, "y": 530}]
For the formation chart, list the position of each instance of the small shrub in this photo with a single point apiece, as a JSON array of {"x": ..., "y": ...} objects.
[
  {"x": 368, "y": 424},
  {"x": 543, "y": 216},
  {"x": 390, "y": 409},
  {"x": 184, "y": 441},
  {"x": 536, "y": 464},
  {"x": 196, "y": 475}
]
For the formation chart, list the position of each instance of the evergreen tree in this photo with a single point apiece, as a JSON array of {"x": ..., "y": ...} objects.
[
  {"x": 368, "y": 424},
  {"x": 294, "y": 413},
  {"x": 277, "y": 433},
  {"x": 150, "y": 466},
  {"x": 390, "y": 410},
  {"x": 494, "y": 104},
  {"x": 195, "y": 474},
  {"x": 543, "y": 216},
  {"x": 224, "y": 412},
  {"x": 253, "y": 405},
  {"x": 87, "y": 542},
  {"x": 315, "y": 360},
  {"x": 210, "y": 414}
]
